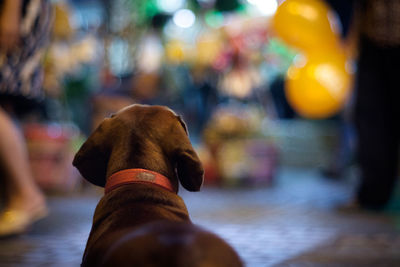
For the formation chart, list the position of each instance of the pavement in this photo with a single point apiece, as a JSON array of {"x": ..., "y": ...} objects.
[{"x": 294, "y": 222}]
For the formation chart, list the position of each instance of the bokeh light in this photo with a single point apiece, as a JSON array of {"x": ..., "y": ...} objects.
[
  {"x": 184, "y": 18},
  {"x": 265, "y": 7}
]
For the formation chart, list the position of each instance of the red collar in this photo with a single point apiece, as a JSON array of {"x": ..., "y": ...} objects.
[{"x": 129, "y": 176}]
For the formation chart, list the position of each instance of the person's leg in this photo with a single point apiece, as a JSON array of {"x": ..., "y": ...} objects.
[
  {"x": 377, "y": 145},
  {"x": 24, "y": 200},
  {"x": 392, "y": 63},
  {"x": 377, "y": 154}
]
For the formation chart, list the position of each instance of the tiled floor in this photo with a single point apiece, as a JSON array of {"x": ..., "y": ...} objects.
[{"x": 293, "y": 223}]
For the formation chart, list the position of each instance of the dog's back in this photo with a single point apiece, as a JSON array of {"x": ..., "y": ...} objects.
[
  {"x": 143, "y": 225},
  {"x": 171, "y": 244}
]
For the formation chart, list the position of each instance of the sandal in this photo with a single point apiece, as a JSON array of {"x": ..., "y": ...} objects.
[{"x": 15, "y": 222}]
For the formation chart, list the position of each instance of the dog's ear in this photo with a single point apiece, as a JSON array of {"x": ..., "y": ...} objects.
[
  {"x": 183, "y": 124},
  {"x": 188, "y": 166},
  {"x": 92, "y": 158}
]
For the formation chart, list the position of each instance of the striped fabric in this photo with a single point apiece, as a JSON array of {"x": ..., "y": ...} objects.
[{"x": 21, "y": 72}]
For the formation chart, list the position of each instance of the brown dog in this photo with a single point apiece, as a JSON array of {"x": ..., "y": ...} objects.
[{"x": 141, "y": 221}]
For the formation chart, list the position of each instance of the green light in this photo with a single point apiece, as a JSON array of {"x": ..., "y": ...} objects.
[{"x": 214, "y": 19}]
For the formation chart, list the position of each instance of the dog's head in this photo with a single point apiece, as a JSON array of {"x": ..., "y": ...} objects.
[{"x": 141, "y": 136}]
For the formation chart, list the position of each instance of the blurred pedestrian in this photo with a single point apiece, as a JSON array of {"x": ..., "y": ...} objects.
[
  {"x": 377, "y": 95},
  {"x": 24, "y": 31}
]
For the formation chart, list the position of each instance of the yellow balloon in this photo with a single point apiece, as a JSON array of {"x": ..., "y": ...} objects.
[
  {"x": 306, "y": 24},
  {"x": 318, "y": 85}
]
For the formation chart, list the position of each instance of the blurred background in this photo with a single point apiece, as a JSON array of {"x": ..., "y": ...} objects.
[
  {"x": 265, "y": 87},
  {"x": 222, "y": 65}
]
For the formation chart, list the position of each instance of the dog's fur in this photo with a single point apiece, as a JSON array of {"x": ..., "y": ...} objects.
[{"x": 143, "y": 224}]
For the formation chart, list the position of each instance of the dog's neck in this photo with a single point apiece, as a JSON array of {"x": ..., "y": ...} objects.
[
  {"x": 145, "y": 155},
  {"x": 130, "y": 176}
]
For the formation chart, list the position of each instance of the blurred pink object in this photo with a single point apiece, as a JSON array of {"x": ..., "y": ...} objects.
[{"x": 50, "y": 154}]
